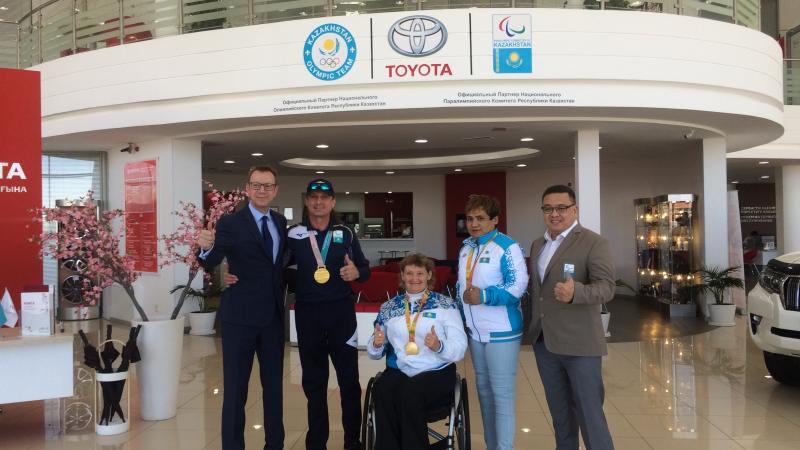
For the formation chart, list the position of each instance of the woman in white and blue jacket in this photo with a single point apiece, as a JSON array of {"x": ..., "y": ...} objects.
[
  {"x": 492, "y": 277},
  {"x": 422, "y": 336}
]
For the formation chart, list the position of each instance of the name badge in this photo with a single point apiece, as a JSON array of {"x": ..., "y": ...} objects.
[
  {"x": 338, "y": 236},
  {"x": 430, "y": 315},
  {"x": 484, "y": 260},
  {"x": 568, "y": 269}
]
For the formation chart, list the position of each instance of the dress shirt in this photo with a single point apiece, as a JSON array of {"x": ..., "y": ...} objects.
[
  {"x": 550, "y": 247},
  {"x": 273, "y": 230}
]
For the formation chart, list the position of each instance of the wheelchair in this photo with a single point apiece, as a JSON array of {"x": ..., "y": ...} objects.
[{"x": 456, "y": 414}]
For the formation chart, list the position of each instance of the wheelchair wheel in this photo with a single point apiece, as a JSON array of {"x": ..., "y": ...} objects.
[
  {"x": 463, "y": 437},
  {"x": 368, "y": 419}
]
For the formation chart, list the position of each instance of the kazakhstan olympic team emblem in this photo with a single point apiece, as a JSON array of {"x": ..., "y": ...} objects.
[{"x": 329, "y": 52}]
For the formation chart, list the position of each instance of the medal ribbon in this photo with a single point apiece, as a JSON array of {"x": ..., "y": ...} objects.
[
  {"x": 473, "y": 264},
  {"x": 412, "y": 326},
  {"x": 326, "y": 245}
]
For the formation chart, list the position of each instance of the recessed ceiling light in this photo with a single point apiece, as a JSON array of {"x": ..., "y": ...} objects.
[
  {"x": 763, "y": 162},
  {"x": 599, "y": 147},
  {"x": 322, "y": 146},
  {"x": 389, "y": 192},
  {"x": 764, "y": 177},
  {"x": 456, "y": 170},
  {"x": 389, "y": 172},
  {"x": 230, "y": 161},
  {"x": 522, "y": 165},
  {"x": 3, "y": 8},
  {"x": 257, "y": 154},
  {"x": 320, "y": 172},
  {"x": 420, "y": 141},
  {"x": 256, "y": 427},
  {"x": 347, "y": 192},
  {"x": 734, "y": 182},
  {"x": 526, "y": 139},
  {"x": 366, "y": 192}
]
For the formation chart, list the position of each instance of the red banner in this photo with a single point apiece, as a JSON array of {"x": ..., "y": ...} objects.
[
  {"x": 141, "y": 238},
  {"x": 20, "y": 179}
]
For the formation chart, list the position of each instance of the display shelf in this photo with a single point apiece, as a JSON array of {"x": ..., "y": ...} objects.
[{"x": 664, "y": 246}]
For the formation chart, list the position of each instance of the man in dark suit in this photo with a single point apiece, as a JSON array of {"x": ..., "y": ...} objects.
[
  {"x": 572, "y": 275},
  {"x": 251, "y": 311}
]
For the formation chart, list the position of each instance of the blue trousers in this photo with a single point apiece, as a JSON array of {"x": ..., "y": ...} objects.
[
  {"x": 574, "y": 389},
  {"x": 495, "y": 378},
  {"x": 239, "y": 344}
]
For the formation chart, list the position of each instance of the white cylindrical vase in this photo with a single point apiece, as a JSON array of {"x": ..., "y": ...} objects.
[{"x": 160, "y": 344}]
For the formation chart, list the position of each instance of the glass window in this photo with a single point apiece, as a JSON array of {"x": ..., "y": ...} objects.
[{"x": 69, "y": 176}]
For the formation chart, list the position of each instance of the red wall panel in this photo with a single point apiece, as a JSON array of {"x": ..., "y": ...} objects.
[
  {"x": 20, "y": 179},
  {"x": 458, "y": 187}
]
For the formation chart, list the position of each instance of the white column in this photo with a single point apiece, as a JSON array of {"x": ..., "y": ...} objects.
[
  {"x": 789, "y": 238},
  {"x": 587, "y": 178},
  {"x": 178, "y": 168},
  {"x": 714, "y": 201}
]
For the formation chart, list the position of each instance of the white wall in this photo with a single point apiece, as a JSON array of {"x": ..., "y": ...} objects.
[
  {"x": 788, "y": 15},
  {"x": 179, "y": 175},
  {"x": 727, "y": 78}
]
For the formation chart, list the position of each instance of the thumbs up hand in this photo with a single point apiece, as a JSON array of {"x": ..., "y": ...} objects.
[
  {"x": 348, "y": 272},
  {"x": 564, "y": 292},
  {"x": 432, "y": 340},
  {"x": 379, "y": 337},
  {"x": 206, "y": 238}
]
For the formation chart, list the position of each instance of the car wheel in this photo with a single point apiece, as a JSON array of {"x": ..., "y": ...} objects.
[{"x": 784, "y": 369}]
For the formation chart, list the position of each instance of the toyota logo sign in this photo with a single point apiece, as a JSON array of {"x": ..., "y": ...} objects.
[{"x": 417, "y": 36}]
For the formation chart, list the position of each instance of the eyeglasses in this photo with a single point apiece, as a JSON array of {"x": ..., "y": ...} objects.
[
  {"x": 560, "y": 209},
  {"x": 320, "y": 187},
  {"x": 269, "y": 187}
]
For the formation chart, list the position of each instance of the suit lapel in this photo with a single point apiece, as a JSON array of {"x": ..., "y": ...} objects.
[
  {"x": 569, "y": 241},
  {"x": 536, "y": 248}
]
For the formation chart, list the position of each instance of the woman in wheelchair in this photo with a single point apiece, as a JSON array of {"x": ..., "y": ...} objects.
[{"x": 420, "y": 366}]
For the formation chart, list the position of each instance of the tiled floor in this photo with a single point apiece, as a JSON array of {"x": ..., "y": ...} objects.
[{"x": 707, "y": 391}]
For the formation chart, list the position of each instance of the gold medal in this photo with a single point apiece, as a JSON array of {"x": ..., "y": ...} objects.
[
  {"x": 412, "y": 348},
  {"x": 321, "y": 275}
]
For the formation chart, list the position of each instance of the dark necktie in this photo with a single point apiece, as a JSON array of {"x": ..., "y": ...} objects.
[{"x": 267, "y": 236}]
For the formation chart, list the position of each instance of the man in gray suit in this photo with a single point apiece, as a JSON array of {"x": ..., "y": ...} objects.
[{"x": 572, "y": 275}]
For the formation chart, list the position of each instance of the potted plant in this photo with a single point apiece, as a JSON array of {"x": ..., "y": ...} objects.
[
  {"x": 94, "y": 237},
  {"x": 201, "y": 322},
  {"x": 718, "y": 282},
  {"x": 181, "y": 247}
]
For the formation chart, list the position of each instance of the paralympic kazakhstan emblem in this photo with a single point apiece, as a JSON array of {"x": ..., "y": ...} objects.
[
  {"x": 511, "y": 39},
  {"x": 417, "y": 36},
  {"x": 329, "y": 52}
]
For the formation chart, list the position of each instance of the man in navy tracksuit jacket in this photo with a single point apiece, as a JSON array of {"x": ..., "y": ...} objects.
[{"x": 325, "y": 312}]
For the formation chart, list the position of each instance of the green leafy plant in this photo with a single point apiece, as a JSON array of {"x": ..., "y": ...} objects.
[
  {"x": 202, "y": 295},
  {"x": 716, "y": 281}
]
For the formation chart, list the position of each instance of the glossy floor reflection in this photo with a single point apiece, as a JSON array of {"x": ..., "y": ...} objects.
[{"x": 707, "y": 391}]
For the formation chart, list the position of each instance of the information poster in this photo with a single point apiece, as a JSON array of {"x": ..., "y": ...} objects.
[{"x": 141, "y": 239}]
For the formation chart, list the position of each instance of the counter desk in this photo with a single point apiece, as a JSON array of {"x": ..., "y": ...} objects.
[{"x": 35, "y": 367}]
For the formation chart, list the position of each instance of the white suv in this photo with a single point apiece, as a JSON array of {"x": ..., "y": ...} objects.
[{"x": 773, "y": 310}]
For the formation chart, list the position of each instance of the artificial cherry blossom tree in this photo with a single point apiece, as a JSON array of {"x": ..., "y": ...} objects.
[
  {"x": 180, "y": 246},
  {"x": 94, "y": 238}
]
